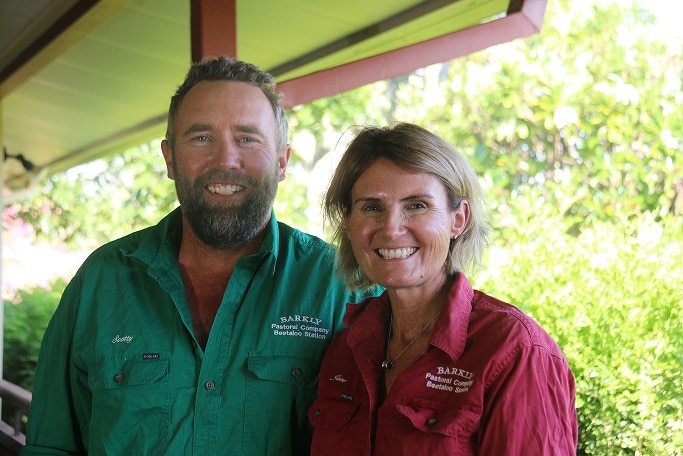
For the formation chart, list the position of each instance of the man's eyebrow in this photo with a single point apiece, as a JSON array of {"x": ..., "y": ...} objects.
[
  {"x": 250, "y": 129},
  {"x": 203, "y": 127},
  {"x": 197, "y": 127}
]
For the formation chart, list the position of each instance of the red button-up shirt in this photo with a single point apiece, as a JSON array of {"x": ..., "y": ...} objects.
[{"x": 492, "y": 382}]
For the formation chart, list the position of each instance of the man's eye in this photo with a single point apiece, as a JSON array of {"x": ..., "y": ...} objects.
[
  {"x": 246, "y": 139},
  {"x": 201, "y": 138}
]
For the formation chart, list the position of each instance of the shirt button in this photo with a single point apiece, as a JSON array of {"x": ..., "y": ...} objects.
[
  {"x": 209, "y": 385},
  {"x": 432, "y": 421},
  {"x": 118, "y": 378},
  {"x": 296, "y": 372}
]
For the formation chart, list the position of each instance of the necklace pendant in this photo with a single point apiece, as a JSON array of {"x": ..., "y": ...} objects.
[{"x": 387, "y": 365}]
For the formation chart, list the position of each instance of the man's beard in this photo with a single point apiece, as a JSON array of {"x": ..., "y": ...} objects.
[{"x": 226, "y": 226}]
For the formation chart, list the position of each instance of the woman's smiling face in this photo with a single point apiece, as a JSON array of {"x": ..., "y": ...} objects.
[{"x": 400, "y": 225}]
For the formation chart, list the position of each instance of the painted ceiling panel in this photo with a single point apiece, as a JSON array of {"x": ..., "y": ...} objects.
[
  {"x": 105, "y": 81},
  {"x": 421, "y": 29}
]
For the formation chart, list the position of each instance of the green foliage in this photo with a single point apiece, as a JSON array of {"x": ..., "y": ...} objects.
[
  {"x": 324, "y": 119},
  {"x": 577, "y": 105},
  {"x": 26, "y": 317},
  {"x": 102, "y": 200},
  {"x": 612, "y": 297},
  {"x": 292, "y": 204}
]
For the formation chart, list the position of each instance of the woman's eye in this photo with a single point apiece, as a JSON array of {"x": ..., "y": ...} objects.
[
  {"x": 370, "y": 208},
  {"x": 417, "y": 206}
]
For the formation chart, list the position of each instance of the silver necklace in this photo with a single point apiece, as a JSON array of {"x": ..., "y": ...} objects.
[{"x": 388, "y": 365}]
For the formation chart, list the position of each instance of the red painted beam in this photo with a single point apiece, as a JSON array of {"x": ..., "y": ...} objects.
[
  {"x": 213, "y": 28},
  {"x": 305, "y": 89}
]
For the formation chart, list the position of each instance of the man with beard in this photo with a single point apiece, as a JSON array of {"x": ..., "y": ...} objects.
[{"x": 203, "y": 334}]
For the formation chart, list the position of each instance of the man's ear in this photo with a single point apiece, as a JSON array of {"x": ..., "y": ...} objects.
[
  {"x": 168, "y": 158},
  {"x": 283, "y": 160}
]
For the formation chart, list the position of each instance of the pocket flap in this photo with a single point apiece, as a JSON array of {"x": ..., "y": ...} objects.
[
  {"x": 284, "y": 366},
  {"x": 329, "y": 413},
  {"x": 430, "y": 416},
  {"x": 119, "y": 371}
]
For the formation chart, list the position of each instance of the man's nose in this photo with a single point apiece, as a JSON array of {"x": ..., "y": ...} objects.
[{"x": 228, "y": 154}]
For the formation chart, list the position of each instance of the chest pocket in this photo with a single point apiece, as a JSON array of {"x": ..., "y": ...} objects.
[
  {"x": 130, "y": 404},
  {"x": 281, "y": 384},
  {"x": 331, "y": 414},
  {"x": 335, "y": 434},
  {"x": 284, "y": 366}
]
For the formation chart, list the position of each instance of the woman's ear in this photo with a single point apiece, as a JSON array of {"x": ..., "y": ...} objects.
[
  {"x": 345, "y": 224},
  {"x": 460, "y": 218}
]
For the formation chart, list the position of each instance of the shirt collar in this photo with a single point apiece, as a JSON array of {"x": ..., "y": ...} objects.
[
  {"x": 450, "y": 330},
  {"x": 270, "y": 246},
  {"x": 366, "y": 318},
  {"x": 159, "y": 244}
]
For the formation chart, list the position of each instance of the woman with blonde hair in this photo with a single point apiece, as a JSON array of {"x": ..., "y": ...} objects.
[{"x": 431, "y": 366}]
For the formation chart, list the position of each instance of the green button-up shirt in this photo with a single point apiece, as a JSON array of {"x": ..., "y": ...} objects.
[{"x": 120, "y": 371}]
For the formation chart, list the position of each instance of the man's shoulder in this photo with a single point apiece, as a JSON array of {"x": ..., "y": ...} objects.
[
  {"x": 294, "y": 236},
  {"x": 125, "y": 243},
  {"x": 143, "y": 244},
  {"x": 152, "y": 236}
]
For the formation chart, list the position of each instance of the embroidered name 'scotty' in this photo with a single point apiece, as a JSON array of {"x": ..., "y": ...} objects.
[{"x": 118, "y": 339}]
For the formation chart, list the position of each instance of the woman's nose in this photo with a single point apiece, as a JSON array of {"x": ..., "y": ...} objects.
[{"x": 393, "y": 222}]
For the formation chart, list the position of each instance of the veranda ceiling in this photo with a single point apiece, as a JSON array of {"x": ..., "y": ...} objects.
[{"x": 82, "y": 79}]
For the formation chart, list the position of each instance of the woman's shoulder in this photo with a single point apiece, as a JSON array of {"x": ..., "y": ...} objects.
[{"x": 504, "y": 320}]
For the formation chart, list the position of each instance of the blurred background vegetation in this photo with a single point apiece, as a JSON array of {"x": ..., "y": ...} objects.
[{"x": 577, "y": 134}]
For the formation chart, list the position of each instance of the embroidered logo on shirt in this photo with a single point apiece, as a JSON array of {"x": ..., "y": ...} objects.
[
  {"x": 454, "y": 371},
  {"x": 339, "y": 378},
  {"x": 150, "y": 356},
  {"x": 118, "y": 339},
  {"x": 300, "y": 326},
  {"x": 449, "y": 379}
]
